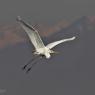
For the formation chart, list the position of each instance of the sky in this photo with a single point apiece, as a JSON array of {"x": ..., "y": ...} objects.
[
  {"x": 46, "y": 11},
  {"x": 69, "y": 73}
]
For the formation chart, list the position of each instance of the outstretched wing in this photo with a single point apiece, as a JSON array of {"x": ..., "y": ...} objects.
[
  {"x": 51, "y": 45},
  {"x": 32, "y": 33}
]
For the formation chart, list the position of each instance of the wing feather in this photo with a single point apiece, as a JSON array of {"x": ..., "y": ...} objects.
[
  {"x": 32, "y": 33},
  {"x": 51, "y": 45}
]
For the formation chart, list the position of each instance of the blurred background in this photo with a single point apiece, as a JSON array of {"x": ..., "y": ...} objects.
[{"x": 72, "y": 71}]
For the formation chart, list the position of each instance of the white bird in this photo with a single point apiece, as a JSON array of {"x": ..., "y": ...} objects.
[{"x": 40, "y": 48}]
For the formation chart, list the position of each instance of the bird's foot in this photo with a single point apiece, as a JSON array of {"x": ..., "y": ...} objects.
[
  {"x": 23, "y": 68},
  {"x": 28, "y": 70}
]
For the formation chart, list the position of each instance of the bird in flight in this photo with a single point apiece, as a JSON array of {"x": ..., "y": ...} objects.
[{"x": 40, "y": 49}]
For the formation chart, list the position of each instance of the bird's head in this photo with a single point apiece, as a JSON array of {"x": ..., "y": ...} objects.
[{"x": 54, "y": 52}]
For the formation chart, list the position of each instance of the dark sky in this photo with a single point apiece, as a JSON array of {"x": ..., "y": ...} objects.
[
  {"x": 48, "y": 11},
  {"x": 69, "y": 73}
]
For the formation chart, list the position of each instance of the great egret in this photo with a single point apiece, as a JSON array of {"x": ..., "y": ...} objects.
[{"x": 40, "y": 48}]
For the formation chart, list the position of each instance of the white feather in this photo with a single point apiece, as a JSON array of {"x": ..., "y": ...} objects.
[
  {"x": 37, "y": 41},
  {"x": 32, "y": 33},
  {"x": 51, "y": 45}
]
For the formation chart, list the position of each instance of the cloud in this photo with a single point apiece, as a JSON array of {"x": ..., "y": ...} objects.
[
  {"x": 9, "y": 35},
  {"x": 91, "y": 19},
  {"x": 48, "y": 30},
  {"x": 13, "y": 33}
]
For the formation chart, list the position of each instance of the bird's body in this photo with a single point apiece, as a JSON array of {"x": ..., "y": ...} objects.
[
  {"x": 40, "y": 48},
  {"x": 43, "y": 51}
]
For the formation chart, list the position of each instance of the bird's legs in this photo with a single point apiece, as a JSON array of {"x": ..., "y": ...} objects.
[
  {"x": 33, "y": 64},
  {"x": 33, "y": 59}
]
